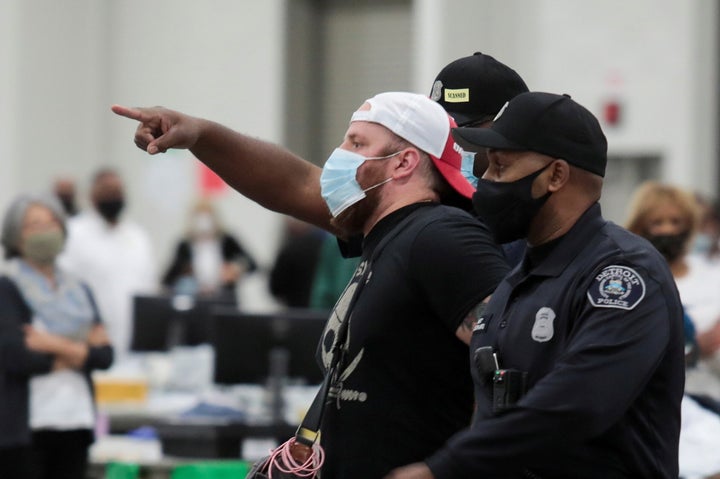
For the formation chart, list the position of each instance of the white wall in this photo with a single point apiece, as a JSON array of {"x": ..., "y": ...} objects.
[{"x": 8, "y": 96}]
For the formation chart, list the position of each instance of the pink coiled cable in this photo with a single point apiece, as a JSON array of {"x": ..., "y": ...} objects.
[{"x": 281, "y": 458}]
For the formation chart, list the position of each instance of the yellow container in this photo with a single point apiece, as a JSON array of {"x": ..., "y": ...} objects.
[{"x": 120, "y": 390}]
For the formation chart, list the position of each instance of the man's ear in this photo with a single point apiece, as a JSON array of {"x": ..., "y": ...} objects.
[
  {"x": 559, "y": 175},
  {"x": 408, "y": 160}
]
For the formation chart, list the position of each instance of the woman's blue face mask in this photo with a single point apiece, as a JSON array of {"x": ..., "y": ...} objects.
[{"x": 338, "y": 183}]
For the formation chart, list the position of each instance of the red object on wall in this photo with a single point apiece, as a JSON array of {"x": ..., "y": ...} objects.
[
  {"x": 210, "y": 183},
  {"x": 612, "y": 112}
]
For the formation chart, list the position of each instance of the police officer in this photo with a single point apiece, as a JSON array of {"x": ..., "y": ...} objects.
[
  {"x": 472, "y": 90},
  {"x": 579, "y": 354}
]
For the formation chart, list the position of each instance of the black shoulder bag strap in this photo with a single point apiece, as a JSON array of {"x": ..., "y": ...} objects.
[{"x": 309, "y": 428}]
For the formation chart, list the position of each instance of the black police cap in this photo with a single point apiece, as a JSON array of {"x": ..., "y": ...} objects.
[{"x": 554, "y": 125}]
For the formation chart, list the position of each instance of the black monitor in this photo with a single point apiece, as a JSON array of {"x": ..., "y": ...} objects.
[
  {"x": 163, "y": 321},
  {"x": 248, "y": 345}
]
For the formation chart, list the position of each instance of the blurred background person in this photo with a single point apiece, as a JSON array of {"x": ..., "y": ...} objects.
[
  {"x": 65, "y": 191},
  {"x": 293, "y": 271},
  {"x": 706, "y": 245},
  {"x": 669, "y": 217},
  {"x": 208, "y": 260},
  {"x": 51, "y": 338},
  {"x": 112, "y": 254},
  {"x": 332, "y": 274}
]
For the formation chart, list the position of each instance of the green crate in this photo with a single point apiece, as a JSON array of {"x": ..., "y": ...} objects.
[
  {"x": 212, "y": 470},
  {"x": 122, "y": 470}
]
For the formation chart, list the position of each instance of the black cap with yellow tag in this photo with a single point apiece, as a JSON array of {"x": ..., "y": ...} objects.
[
  {"x": 554, "y": 125},
  {"x": 473, "y": 89}
]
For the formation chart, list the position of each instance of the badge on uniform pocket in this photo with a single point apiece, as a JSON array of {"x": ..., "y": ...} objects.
[{"x": 543, "y": 329}]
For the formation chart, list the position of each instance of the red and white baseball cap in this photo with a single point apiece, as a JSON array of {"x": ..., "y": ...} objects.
[{"x": 425, "y": 124}]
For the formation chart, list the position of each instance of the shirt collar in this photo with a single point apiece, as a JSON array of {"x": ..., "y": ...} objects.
[
  {"x": 387, "y": 223},
  {"x": 566, "y": 248}
]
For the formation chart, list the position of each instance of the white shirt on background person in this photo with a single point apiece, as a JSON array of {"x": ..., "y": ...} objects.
[{"x": 117, "y": 262}]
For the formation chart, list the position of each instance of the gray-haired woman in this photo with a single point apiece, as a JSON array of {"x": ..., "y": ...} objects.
[{"x": 51, "y": 337}]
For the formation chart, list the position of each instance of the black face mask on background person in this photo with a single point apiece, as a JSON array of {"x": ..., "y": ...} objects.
[
  {"x": 671, "y": 247},
  {"x": 110, "y": 209},
  {"x": 68, "y": 204},
  {"x": 508, "y": 208}
]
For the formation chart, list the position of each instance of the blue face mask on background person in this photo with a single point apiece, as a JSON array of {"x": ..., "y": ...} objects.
[
  {"x": 703, "y": 244},
  {"x": 466, "y": 167},
  {"x": 338, "y": 183}
]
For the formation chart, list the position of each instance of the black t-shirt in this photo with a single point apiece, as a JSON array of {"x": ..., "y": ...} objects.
[
  {"x": 404, "y": 385},
  {"x": 596, "y": 322}
]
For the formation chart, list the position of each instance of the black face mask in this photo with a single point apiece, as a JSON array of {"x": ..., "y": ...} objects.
[
  {"x": 68, "y": 204},
  {"x": 508, "y": 208},
  {"x": 110, "y": 209},
  {"x": 671, "y": 247}
]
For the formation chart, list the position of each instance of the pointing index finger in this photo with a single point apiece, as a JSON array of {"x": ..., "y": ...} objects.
[{"x": 132, "y": 113}]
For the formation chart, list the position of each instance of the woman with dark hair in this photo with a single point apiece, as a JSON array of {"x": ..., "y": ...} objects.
[{"x": 51, "y": 337}]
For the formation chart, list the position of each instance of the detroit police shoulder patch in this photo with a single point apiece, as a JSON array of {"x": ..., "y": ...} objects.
[{"x": 616, "y": 287}]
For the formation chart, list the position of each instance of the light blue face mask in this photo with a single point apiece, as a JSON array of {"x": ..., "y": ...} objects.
[
  {"x": 338, "y": 184},
  {"x": 702, "y": 244},
  {"x": 466, "y": 167}
]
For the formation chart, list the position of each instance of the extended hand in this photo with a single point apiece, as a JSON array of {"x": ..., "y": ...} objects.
[
  {"x": 161, "y": 129},
  {"x": 417, "y": 470}
]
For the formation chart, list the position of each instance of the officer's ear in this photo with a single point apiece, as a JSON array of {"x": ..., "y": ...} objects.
[{"x": 559, "y": 175}]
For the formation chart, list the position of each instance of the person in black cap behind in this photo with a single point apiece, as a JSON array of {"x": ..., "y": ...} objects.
[
  {"x": 578, "y": 357},
  {"x": 472, "y": 90}
]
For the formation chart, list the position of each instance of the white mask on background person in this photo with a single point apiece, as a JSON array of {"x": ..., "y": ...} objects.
[
  {"x": 338, "y": 183},
  {"x": 203, "y": 224}
]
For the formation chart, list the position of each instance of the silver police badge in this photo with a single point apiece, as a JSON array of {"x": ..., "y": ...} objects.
[
  {"x": 617, "y": 287},
  {"x": 543, "y": 329}
]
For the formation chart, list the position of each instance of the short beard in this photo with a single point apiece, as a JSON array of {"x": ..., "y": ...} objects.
[{"x": 352, "y": 221}]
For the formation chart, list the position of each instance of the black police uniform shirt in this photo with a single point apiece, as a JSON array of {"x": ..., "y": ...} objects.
[
  {"x": 596, "y": 322},
  {"x": 404, "y": 384}
]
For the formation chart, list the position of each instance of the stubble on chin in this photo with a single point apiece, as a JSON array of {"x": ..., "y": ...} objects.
[{"x": 351, "y": 222}]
